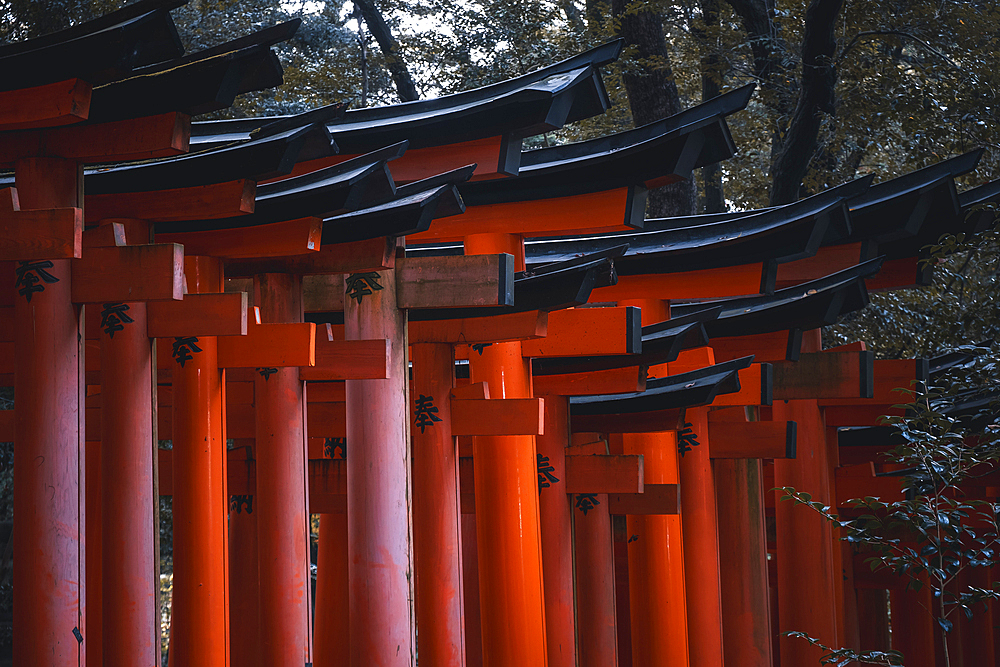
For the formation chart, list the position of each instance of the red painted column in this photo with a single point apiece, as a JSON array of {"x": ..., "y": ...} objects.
[
  {"x": 807, "y": 596},
  {"x": 130, "y": 614},
  {"x": 280, "y": 505},
  {"x": 557, "y": 538},
  {"x": 595, "y": 584},
  {"x": 873, "y": 619},
  {"x": 95, "y": 590},
  {"x": 657, "y": 589},
  {"x": 746, "y": 617},
  {"x": 980, "y": 626},
  {"x": 200, "y": 616},
  {"x": 244, "y": 588},
  {"x": 49, "y": 487},
  {"x": 507, "y": 523},
  {"x": 913, "y": 628},
  {"x": 701, "y": 547},
  {"x": 470, "y": 588},
  {"x": 378, "y": 483},
  {"x": 332, "y": 626},
  {"x": 437, "y": 539}
]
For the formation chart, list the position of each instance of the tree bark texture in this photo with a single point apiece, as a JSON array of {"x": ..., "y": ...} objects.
[
  {"x": 652, "y": 93},
  {"x": 394, "y": 62},
  {"x": 819, "y": 76},
  {"x": 712, "y": 74}
]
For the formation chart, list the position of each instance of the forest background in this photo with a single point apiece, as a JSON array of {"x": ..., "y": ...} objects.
[{"x": 845, "y": 88}]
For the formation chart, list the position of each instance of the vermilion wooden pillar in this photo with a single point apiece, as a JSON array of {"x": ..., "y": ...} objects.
[
  {"x": 746, "y": 617},
  {"x": 980, "y": 626},
  {"x": 95, "y": 643},
  {"x": 470, "y": 587},
  {"x": 437, "y": 542},
  {"x": 244, "y": 588},
  {"x": 332, "y": 626},
  {"x": 873, "y": 619},
  {"x": 49, "y": 487},
  {"x": 281, "y": 505},
  {"x": 557, "y": 538},
  {"x": 595, "y": 585},
  {"x": 913, "y": 627},
  {"x": 701, "y": 547},
  {"x": 200, "y": 617},
  {"x": 378, "y": 483},
  {"x": 807, "y": 596},
  {"x": 129, "y": 603},
  {"x": 507, "y": 524},
  {"x": 656, "y": 563}
]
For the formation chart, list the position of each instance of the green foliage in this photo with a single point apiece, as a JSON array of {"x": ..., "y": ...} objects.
[{"x": 840, "y": 657}]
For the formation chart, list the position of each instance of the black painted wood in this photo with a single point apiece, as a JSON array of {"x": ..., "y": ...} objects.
[{"x": 690, "y": 389}]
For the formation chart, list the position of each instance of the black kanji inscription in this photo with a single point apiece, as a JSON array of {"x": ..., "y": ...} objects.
[
  {"x": 632, "y": 538},
  {"x": 184, "y": 348},
  {"x": 331, "y": 446},
  {"x": 586, "y": 502},
  {"x": 545, "y": 470},
  {"x": 361, "y": 284},
  {"x": 236, "y": 503},
  {"x": 426, "y": 413},
  {"x": 114, "y": 318},
  {"x": 686, "y": 439},
  {"x": 30, "y": 275},
  {"x": 266, "y": 373},
  {"x": 479, "y": 347},
  {"x": 78, "y": 635}
]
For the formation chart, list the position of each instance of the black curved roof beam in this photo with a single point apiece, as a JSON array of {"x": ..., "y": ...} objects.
[
  {"x": 661, "y": 343},
  {"x": 97, "y": 57},
  {"x": 779, "y": 234},
  {"x": 407, "y": 215},
  {"x": 979, "y": 216},
  {"x": 684, "y": 390},
  {"x": 806, "y": 306},
  {"x": 906, "y": 213},
  {"x": 651, "y": 155},
  {"x": 358, "y": 183},
  {"x": 198, "y": 83},
  {"x": 536, "y": 102},
  {"x": 259, "y": 160}
]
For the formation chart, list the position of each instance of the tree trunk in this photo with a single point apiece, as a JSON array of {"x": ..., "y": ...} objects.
[
  {"x": 652, "y": 95},
  {"x": 573, "y": 16},
  {"x": 405, "y": 88},
  {"x": 819, "y": 76},
  {"x": 712, "y": 73}
]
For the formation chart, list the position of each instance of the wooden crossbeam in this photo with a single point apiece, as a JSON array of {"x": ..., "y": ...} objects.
[
  {"x": 270, "y": 345},
  {"x": 756, "y": 388},
  {"x": 465, "y": 281},
  {"x": 614, "y": 381},
  {"x": 900, "y": 273},
  {"x": 826, "y": 261},
  {"x": 490, "y": 155},
  {"x": 631, "y": 422},
  {"x": 51, "y": 105},
  {"x": 894, "y": 379},
  {"x": 198, "y": 315},
  {"x": 472, "y": 330},
  {"x": 293, "y": 237},
  {"x": 752, "y": 440},
  {"x": 473, "y": 390},
  {"x": 133, "y": 139},
  {"x": 129, "y": 273},
  {"x": 605, "y": 211},
  {"x": 511, "y": 416},
  {"x": 777, "y": 346},
  {"x": 589, "y": 332},
  {"x": 41, "y": 234},
  {"x": 203, "y": 202},
  {"x": 654, "y": 499},
  {"x": 106, "y": 235},
  {"x": 858, "y": 415},
  {"x": 888, "y": 489},
  {"x": 349, "y": 360},
  {"x": 825, "y": 375},
  {"x": 704, "y": 284},
  {"x": 369, "y": 255},
  {"x": 614, "y": 473}
]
